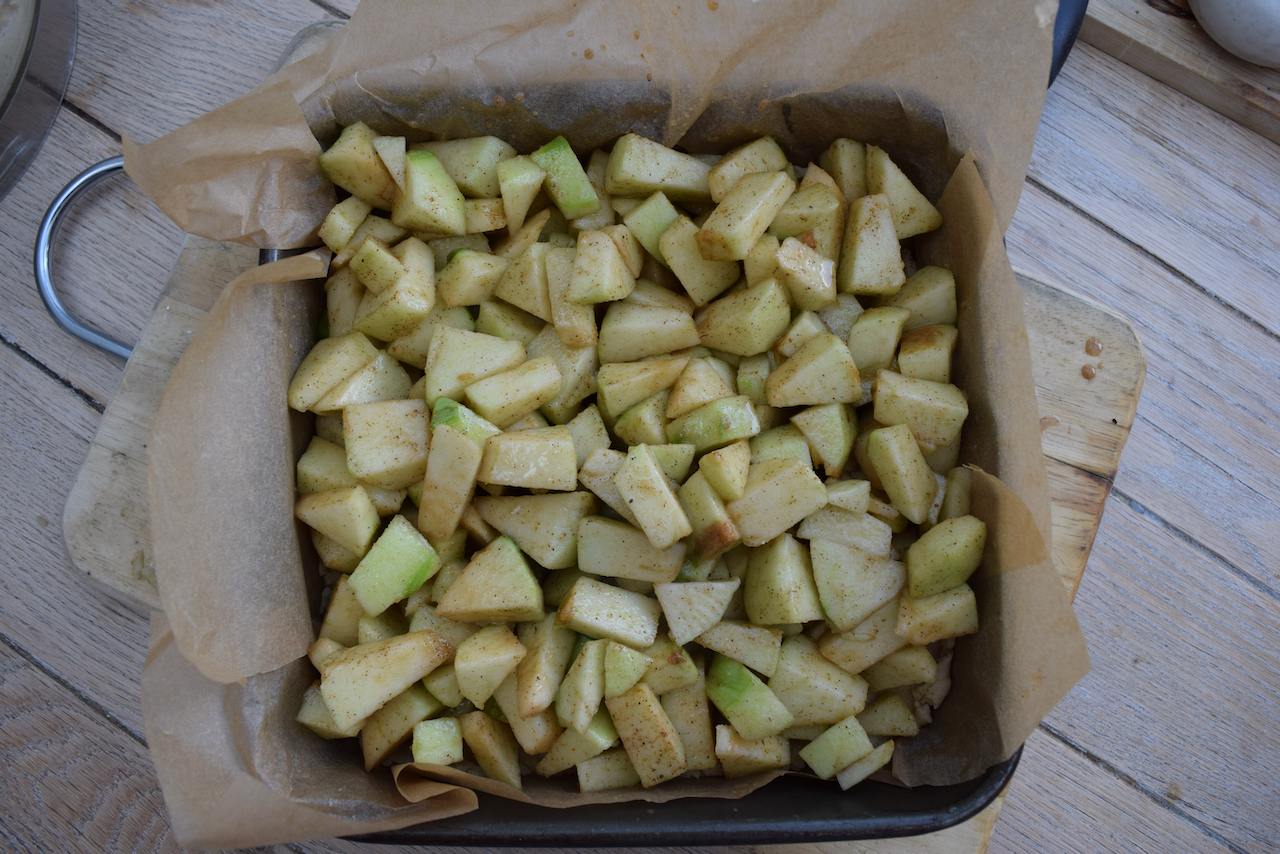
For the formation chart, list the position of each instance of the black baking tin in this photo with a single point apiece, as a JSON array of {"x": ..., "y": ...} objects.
[{"x": 790, "y": 810}]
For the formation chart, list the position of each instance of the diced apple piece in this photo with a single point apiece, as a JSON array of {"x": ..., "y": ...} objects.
[
  {"x": 597, "y": 475},
  {"x": 524, "y": 283},
  {"x": 497, "y": 585},
  {"x": 473, "y": 162},
  {"x": 328, "y": 363},
  {"x": 852, "y": 584},
  {"x": 748, "y": 321},
  {"x": 506, "y": 397},
  {"x": 949, "y": 614},
  {"x": 703, "y": 279},
  {"x": 539, "y": 674},
  {"x": 807, "y": 276},
  {"x": 810, "y": 206},
  {"x": 535, "y": 734},
  {"x": 542, "y": 458},
  {"x": 930, "y": 295},
  {"x": 484, "y": 660},
  {"x": 645, "y": 489},
  {"x": 859, "y": 530},
  {"x": 779, "y": 587},
  {"x": 582, "y": 689},
  {"x": 870, "y": 258},
  {"x": 375, "y": 266},
  {"x": 648, "y": 220},
  {"x": 631, "y": 332},
  {"x": 693, "y": 607},
  {"x": 846, "y": 161},
  {"x": 573, "y": 747},
  {"x": 830, "y": 431},
  {"x": 623, "y": 668},
  {"x": 821, "y": 371},
  {"x": 437, "y": 742},
  {"x": 863, "y": 768},
  {"x": 388, "y": 624},
  {"x": 760, "y": 155},
  {"x": 778, "y": 494},
  {"x": 599, "y": 272},
  {"x": 758, "y": 647},
  {"x": 431, "y": 201},
  {"x": 935, "y": 412},
  {"x": 925, "y": 353},
  {"x": 566, "y": 181},
  {"x": 360, "y": 680},
  {"x": 911, "y": 665},
  {"x": 398, "y": 564},
  {"x": 690, "y": 713},
  {"x": 458, "y": 358},
  {"x": 912, "y": 212},
  {"x": 393, "y": 724},
  {"x": 610, "y": 770},
  {"x": 624, "y": 384},
  {"x": 545, "y": 527},
  {"x": 353, "y": 164},
  {"x": 345, "y": 515},
  {"x": 901, "y": 468},
  {"x": 743, "y": 215},
  {"x": 889, "y": 715},
  {"x": 315, "y": 716},
  {"x": 713, "y": 530},
  {"x": 726, "y": 469},
  {"x": 868, "y": 642},
  {"x": 741, "y": 756},
  {"x": 615, "y": 549},
  {"x": 647, "y": 735},
  {"x": 493, "y": 747},
  {"x": 387, "y": 442},
  {"x": 640, "y": 167},
  {"x": 323, "y": 466},
  {"x": 425, "y": 617},
  {"x": 945, "y": 556},
  {"x": 381, "y": 379},
  {"x": 470, "y": 277},
  {"x": 715, "y": 424},
  {"x": 812, "y": 688},
  {"x": 342, "y": 221},
  {"x": 837, "y": 748},
  {"x": 646, "y": 422},
  {"x": 449, "y": 483},
  {"x": 519, "y": 180},
  {"x": 342, "y": 616},
  {"x": 601, "y": 610},
  {"x": 746, "y": 702}
]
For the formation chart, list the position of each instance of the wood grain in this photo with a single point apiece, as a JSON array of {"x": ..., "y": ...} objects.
[
  {"x": 1209, "y": 415},
  {"x": 1194, "y": 188},
  {"x": 45, "y": 609},
  {"x": 1174, "y": 49},
  {"x": 1162, "y": 705},
  {"x": 110, "y": 83}
]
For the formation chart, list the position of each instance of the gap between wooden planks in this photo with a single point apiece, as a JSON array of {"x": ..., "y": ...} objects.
[{"x": 1085, "y": 424}]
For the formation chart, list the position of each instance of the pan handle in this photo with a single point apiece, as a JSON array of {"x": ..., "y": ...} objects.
[{"x": 44, "y": 253}]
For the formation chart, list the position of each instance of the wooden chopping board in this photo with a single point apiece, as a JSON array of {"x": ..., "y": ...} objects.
[
  {"x": 1161, "y": 38},
  {"x": 1085, "y": 423}
]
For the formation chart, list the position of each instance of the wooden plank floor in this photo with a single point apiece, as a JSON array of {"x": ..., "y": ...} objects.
[{"x": 1138, "y": 197}]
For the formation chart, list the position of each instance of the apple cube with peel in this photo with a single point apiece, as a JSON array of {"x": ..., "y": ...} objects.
[
  {"x": 399, "y": 562},
  {"x": 713, "y": 530},
  {"x": 360, "y": 680},
  {"x": 437, "y": 742},
  {"x": 945, "y": 556},
  {"x": 582, "y": 688},
  {"x": 837, "y": 748},
  {"x": 566, "y": 183},
  {"x": 715, "y": 424},
  {"x": 863, "y": 768},
  {"x": 430, "y": 201},
  {"x": 497, "y": 585},
  {"x": 341, "y": 222},
  {"x": 746, "y": 702},
  {"x": 648, "y": 220}
]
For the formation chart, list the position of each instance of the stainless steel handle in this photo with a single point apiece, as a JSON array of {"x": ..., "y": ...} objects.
[{"x": 44, "y": 253}]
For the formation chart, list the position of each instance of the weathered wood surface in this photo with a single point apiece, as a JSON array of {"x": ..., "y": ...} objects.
[
  {"x": 1139, "y": 198},
  {"x": 1162, "y": 38}
]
